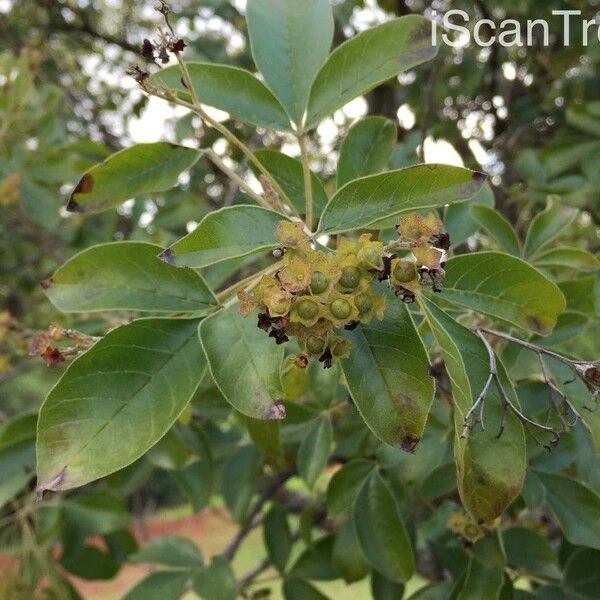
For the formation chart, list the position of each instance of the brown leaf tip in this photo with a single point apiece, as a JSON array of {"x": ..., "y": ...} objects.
[
  {"x": 54, "y": 485},
  {"x": 46, "y": 283},
  {"x": 479, "y": 177},
  {"x": 276, "y": 411},
  {"x": 409, "y": 443},
  {"x": 167, "y": 256}
]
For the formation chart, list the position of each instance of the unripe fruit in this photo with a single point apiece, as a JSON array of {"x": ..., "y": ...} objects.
[
  {"x": 350, "y": 278},
  {"x": 370, "y": 258},
  {"x": 315, "y": 345},
  {"x": 341, "y": 309},
  {"x": 405, "y": 271},
  {"x": 318, "y": 283},
  {"x": 307, "y": 309},
  {"x": 364, "y": 303}
]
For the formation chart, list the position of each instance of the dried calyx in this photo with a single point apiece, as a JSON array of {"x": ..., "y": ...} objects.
[{"x": 316, "y": 293}]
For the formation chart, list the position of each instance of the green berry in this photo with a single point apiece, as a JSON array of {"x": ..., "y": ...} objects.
[
  {"x": 307, "y": 309},
  {"x": 370, "y": 258},
  {"x": 315, "y": 345},
  {"x": 364, "y": 303},
  {"x": 405, "y": 271},
  {"x": 350, "y": 278},
  {"x": 341, "y": 309},
  {"x": 318, "y": 283}
]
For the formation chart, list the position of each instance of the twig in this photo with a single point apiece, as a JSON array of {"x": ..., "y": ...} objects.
[
  {"x": 507, "y": 403},
  {"x": 308, "y": 192},
  {"x": 271, "y": 488}
]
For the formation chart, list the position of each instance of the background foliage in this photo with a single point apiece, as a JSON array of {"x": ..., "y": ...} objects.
[{"x": 332, "y": 501}]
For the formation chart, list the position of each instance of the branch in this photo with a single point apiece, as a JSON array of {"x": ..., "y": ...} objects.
[{"x": 272, "y": 486}]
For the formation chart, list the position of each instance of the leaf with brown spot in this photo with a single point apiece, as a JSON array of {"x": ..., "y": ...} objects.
[
  {"x": 490, "y": 471},
  {"x": 139, "y": 169},
  {"x": 388, "y": 377}
]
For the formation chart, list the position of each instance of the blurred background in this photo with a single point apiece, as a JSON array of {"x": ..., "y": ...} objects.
[{"x": 530, "y": 117}]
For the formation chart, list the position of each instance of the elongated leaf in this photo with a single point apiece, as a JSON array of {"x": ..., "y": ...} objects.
[
  {"x": 504, "y": 287},
  {"x": 568, "y": 258},
  {"x": 348, "y": 558},
  {"x": 290, "y": 41},
  {"x": 366, "y": 149},
  {"x": 245, "y": 364},
  {"x": 239, "y": 479},
  {"x": 315, "y": 563},
  {"x": 528, "y": 550},
  {"x": 582, "y": 574},
  {"x": 297, "y": 589},
  {"x": 224, "y": 234},
  {"x": 266, "y": 435},
  {"x": 367, "y": 60},
  {"x": 216, "y": 581},
  {"x": 490, "y": 471},
  {"x": 388, "y": 377},
  {"x": 345, "y": 484},
  {"x": 546, "y": 226},
  {"x": 372, "y": 201},
  {"x": 126, "y": 276},
  {"x": 381, "y": 532},
  {"x": 498, "y": 228},
  {"x": 458, "y": 219},
  {"x": 164, "y": 585},
  {"x": 384, "y": 589},
  {"x": 289, "y": 175},
  {"x": 139, "y": 169},
  {"x": 313, "y": 453},
  {"x": 277, "y": 537},
  {"x": 576, "y": 507},
  {"x": 485, "y": 573},
  {"x": 125, "y": 392},
  {"x": 169, "y": 551},
  {"x": 233, "y": 90}
]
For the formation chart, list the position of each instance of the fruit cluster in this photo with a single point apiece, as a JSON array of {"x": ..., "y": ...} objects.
[{"x": 316, "y": 293}]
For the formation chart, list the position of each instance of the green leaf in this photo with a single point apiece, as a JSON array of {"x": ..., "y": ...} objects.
[
  {"x": 387, "y": 375},
  {"x": 224, "y": 234},
  {"x": 233, "y": 90},
  {"x": 485, "y": 573},
  {"x": 171, "y": 453},
  {"x": 498, "y": 228},
  {"x": 316, "y": 562},
  {"x": 381, "y": 532},
  {"x": 344, "y": 486},
  {"x": 576, "y": 507},
  {"x": 288, "y": 173},
  {"x": 384, "y": 589},
  {"x": 490, "y": 471},
  {"x": 546, "y": 226},
  {"x": 372, "y": 201},
  {"x": 125, "y": 392},
  {"x": 367, "y": 149},
  {"x": 266, "y": 435},
  {"x": 216, "y": 582},
  {"x": 245, "y": 364},
  {"x": 568, "y": 258},
  {"x": 165, "y": 585},
  {"x": 290, "y": 41},
  {"x": 139, "y": 169},
  {"x": 527, "y": 550},
  {"x": 126, "y": 276},
  {"x": 97, "y": 514},
  {"x": 313, "y": 453},
  {"x": 348, "y": 558},
  {"x": 296, "y": 589},
  {"x": 436, "y": 591},
  {"x": 458, "y": 219},
  {"x": 504, "y": 287},
  {"x": 582, "y": 574},
  {"x": 368, "y": 59},
  {"x": 239, "y": 479},
  {"x": 169, "y": 551},
  {"x": 581, "y": 117},
  {"x": 277, "y": 537}
]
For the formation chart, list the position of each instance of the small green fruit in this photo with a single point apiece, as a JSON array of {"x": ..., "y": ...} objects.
[
  {"x": 364, "y": 303},
  {"x": 350, "y": 278},
  {"x": 307, "y": 309},
  {"x": 341, "y": 309},
  {"x": 315, "y": 345},
  {"x": 318, "y": 283},
  {"x": 405, "y": 271}
]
